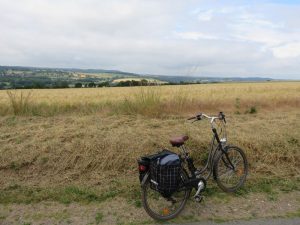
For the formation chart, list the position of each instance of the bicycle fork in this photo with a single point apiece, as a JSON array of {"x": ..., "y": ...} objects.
[{"x": 222, "y": 149}]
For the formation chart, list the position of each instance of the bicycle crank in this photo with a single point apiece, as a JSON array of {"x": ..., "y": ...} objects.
[{"x": 201, "y": 186}]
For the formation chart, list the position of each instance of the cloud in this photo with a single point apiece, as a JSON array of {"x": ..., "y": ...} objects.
[
  {"x": 160, "y": 37},
  {"x": 206, "y": 15},
  {"x": 195, "y": 35},
  {"x": 290, "y": 50}
]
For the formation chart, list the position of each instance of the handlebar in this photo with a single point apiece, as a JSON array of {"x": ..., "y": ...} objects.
[
  {"x": 221, "y": 116},
  {"x": 191, "y": 118},
  {"x": 197, "y": 117}
]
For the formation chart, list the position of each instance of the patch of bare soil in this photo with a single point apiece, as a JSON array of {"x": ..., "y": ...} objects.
[{"x": 119, "y": 211}]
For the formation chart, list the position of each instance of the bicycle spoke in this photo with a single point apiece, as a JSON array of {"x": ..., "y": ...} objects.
[
  {"x": 227, "y": 176},
  {"x": 163, "y": 207}
]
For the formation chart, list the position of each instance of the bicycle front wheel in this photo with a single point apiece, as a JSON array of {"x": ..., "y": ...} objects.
[
  {"x": 162, "y": 208},
  {"x": 230, "y": 176}
]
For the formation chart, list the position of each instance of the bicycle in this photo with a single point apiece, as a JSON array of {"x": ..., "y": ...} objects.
[{"x": 227, "y": 163}]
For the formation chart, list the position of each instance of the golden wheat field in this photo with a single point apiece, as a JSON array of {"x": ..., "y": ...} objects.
[
  {"x": 74, "y": 145},
  {"x": 153, "y": 101}
]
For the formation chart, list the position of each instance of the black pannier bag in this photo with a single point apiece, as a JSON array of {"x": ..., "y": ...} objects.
[{"x": 165, "y": 168}]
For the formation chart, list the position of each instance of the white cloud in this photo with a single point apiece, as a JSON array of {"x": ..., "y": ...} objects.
[
  {"x": 195, "y": 35},
  {"x": 205, "y": 16},
  {"x": 287, "y": 51}
]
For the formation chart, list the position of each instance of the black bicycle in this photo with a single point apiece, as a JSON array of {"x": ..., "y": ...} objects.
[{"x": 166, "y": 184}]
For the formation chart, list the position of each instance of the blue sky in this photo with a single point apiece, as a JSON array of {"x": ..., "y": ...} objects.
[{"x": 188, "y": 37}]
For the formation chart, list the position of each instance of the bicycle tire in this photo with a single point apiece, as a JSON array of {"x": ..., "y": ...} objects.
[
  {"x": 217, "y": 164},
  {"x": 156, "y": 216}
]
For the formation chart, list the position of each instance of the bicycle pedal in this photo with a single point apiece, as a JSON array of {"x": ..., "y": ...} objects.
[{"x": 198, "y": 198}]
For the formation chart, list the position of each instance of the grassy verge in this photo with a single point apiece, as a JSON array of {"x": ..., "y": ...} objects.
[
  {"x": 270, "y": 187},
  {"x": 122, "y": 205},
  {"x": 28, "y": 195},
  {"x": 131, "y": 192},
  {"x": 293, "y": 214}
]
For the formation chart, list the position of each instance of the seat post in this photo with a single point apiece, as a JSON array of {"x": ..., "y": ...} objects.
[{"x": 183, "y": 149}]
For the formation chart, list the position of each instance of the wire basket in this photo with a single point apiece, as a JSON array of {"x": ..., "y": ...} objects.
[{"x": 165, "y": 179}]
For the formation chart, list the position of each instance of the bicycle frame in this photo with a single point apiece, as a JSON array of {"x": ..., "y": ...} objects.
[{"x": 221, "y": 143}]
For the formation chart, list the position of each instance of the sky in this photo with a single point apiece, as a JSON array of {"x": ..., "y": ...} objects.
[{"x": 163, "y": 37}]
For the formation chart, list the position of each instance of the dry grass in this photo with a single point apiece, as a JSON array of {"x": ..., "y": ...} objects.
[
  {"x": 86, "y": 149},
  {"x": 19, "y": 102},
  {"x": 161, "y": 100},
  {"x": 92, "y": 137}
]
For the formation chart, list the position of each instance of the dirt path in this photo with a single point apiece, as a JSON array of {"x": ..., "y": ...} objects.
[
  {"x": 119, "y": 211},
  {"x": 269, "y": 221}
]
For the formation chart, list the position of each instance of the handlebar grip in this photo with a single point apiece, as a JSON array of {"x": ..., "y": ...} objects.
[
  {"x": 222, "y": 116},
  {"x": 197, "y": 117}
]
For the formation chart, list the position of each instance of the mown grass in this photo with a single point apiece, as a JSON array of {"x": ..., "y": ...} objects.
[
  {"x": 293, "y": 214},
  {"x": 99, "y": 217},
  {"x": 24, "y": 194},
  {"x": 271, "y": 187},
  {"x": 132, "y": 192},
  {"x": 70, "y": 149}
]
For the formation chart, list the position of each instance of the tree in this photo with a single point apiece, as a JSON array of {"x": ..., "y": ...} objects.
[
  {"x": 78, "y": 85},
  {"x": 144, "y": 82},
  {"x": 61, "y": 84},
  {"x": 91, "y": 84},
  {"x": 104, "y": 84},
  {"x": 38, "y": 85}
]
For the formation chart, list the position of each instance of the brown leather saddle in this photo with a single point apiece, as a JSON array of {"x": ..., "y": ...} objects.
[{"x": 179, "y": 140}]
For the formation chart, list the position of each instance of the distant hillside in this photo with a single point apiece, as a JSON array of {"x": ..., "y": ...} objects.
[
  {"x": 194, "y": 79},
  {"x": 22, "y": 68},
  {"x": 36, "y": 77}
]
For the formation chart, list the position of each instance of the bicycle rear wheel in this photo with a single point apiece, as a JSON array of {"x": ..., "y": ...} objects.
[
  {"x": 231, "y": 179},
  {"x": 161, "y": 208}
]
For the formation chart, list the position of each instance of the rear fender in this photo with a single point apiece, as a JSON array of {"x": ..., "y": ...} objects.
[{"x": 145, "y": 178}]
